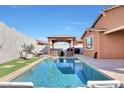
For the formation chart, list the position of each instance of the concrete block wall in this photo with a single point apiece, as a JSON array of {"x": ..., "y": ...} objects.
[{"x": 11, "y": 41}]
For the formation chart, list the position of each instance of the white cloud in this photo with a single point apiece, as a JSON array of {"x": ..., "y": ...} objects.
[
  {"x": 67, "y": 28},
  {"x": 73, "y": 25},
  {"x": 77, "y": 23}
]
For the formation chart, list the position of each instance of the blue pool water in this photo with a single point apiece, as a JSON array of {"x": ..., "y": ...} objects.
[{"x": 61, "y": 72}]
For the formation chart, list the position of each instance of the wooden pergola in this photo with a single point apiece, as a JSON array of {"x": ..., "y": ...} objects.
[{"x": 60, "y": 38}]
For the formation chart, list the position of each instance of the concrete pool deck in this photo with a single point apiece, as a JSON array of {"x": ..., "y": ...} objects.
[
  {"x": 18, "y": 72},
  {"x": 111, "y": 67}
]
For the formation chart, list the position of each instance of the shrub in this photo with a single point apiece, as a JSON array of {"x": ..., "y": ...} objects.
[{"x": 28, "y": 48}]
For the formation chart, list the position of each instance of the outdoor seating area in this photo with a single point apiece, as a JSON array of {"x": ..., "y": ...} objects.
[
  {"x": 70, "y": 51},
  {"x": 38, "y": 53},
  {"x": 54, "y": 52},
  {"x": 61, "y": 38},
  {"x": 60, "y": 52}
]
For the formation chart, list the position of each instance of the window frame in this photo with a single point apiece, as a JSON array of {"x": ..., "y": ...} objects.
[{"x": 92, "y": 48}]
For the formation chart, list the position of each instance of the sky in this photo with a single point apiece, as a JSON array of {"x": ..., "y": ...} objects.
[{"x": 39, "y": 22}]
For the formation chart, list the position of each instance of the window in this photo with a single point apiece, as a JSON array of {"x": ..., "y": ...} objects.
[{"x": 89, "y": 42}]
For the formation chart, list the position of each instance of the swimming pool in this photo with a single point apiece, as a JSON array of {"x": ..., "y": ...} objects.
[{"x": 60, "y": 72}]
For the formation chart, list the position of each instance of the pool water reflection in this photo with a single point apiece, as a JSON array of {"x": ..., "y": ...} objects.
[{"x": 61, "y": 72}]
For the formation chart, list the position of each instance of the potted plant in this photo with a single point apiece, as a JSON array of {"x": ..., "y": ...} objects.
[
  {"x": 28, "y": 50},
  {"x": 22, "y": 54}
]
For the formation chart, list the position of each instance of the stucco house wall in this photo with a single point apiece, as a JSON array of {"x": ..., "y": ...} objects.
[
  {"x": 108, "y": 45},
  {"x": 112, "y": 45},
  {"x": 11, "y": 41},
  {"x": 90, "y": 52}
]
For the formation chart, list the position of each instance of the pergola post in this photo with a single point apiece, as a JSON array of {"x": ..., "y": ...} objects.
[
  {"x": 52, "y": 45},
  {"x": 49, "y": 54},
  {"x": 73, "y": 46},
  {"x": 69, "y": 46}
]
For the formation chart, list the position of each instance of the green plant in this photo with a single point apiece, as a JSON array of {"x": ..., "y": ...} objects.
[
  {"x": 21, "y": 54},
  {"x": 28, "y": 48}
]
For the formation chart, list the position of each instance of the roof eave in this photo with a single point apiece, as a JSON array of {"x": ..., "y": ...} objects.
[
  {"x": 97, "y": 18},
  {"x": 114, "y": 30}
]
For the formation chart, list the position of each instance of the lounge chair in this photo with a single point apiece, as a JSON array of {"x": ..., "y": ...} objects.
[
  {"x": 16, "y": 85},
  {"x": 69, "y": 53},
  {"x": 104, "y": 84},
  {"x": 54, "y": 52}
]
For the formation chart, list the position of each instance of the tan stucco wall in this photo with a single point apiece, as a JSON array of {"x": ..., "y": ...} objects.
[
  {"x": 112, "y": 45},
  {"x": 89, "y": 52},
  {"x": 112, "y": 19},
  {"x": 109, "y": 45}
]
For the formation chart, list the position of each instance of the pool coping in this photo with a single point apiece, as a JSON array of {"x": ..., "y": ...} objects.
[{"x": 20, "y": 71}]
